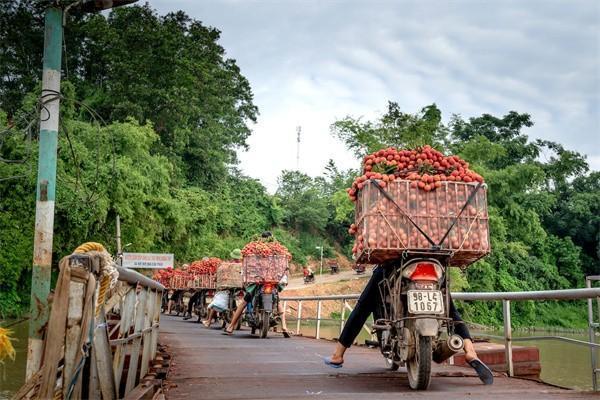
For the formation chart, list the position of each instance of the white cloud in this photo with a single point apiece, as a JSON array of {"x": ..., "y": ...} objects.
[{"x": 311, "y": 62}]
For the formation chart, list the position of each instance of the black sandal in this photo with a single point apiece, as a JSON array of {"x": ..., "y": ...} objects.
[{"x": 484, "y": 373}]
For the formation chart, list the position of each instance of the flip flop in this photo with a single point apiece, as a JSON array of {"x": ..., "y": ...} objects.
[
  {"x": 286, "y": 334},
  {"x": 327, "y": 361},
  {"x": 484, "y": 373},
  {"x": 226, "y": 332}
]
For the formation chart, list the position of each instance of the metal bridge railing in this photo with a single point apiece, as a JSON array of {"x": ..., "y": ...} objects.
[{"x": 590, "y": 293}]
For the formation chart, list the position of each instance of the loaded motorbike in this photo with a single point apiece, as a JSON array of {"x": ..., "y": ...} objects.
[
  {"x": 309, "y": 279},
  {"x": 262, "y": 312},
  {"x": 418, "y": 213},
  {"x": 178, "y": 306},
  {"x": 414, "y": 315},
  {"x": 360, "y": 269}
]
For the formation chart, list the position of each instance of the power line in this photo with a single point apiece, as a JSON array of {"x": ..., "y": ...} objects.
[{"x": 30, "y": 121}]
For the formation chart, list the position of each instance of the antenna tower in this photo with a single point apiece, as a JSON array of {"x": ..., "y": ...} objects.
[{"x": 299, "y": 132}]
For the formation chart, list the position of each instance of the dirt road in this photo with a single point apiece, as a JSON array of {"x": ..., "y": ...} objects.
[{"x": 344, "y": 275}]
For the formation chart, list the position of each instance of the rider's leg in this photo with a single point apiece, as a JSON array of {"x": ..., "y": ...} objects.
[
  {"x": 249, "y": 293},
  {"x": 462, "y": 330},
  {"x": 191, "y": 304},
  {"x": 236, "y": 317},
  {"x": 282, "y": 313},
  {"x": 211, "y": 315},
  {"x": 366, "y": 305}
]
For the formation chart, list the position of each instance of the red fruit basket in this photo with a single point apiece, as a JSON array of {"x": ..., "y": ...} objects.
[
  {"x": 203, "y": 281},
  {"x": 179, "y": 282},
  {"x": 401, "y": 217},
  {"x": 229, "y": 275},
  {"x": 260, "y": 269}
]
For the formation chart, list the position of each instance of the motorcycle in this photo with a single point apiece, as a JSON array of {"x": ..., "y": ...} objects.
[
  {"x": 164, "y": 302},
  {"x": 414, "y": 313},
  {"x": 360, "y": 269},
  {"x": 309, "y": 279},
  {"x": 177, "y": 306},
  {"x": 262, "y": 311}
]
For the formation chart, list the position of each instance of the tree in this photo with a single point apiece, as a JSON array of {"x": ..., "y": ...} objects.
[
  {"x": 197, "y": 99},
  {"x": 303, "y": 203},
  {"x": 394, "y": 128}
]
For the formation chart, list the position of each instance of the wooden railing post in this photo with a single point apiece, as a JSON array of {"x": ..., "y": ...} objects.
[
  {"x": 135, "y": 345},
  {"x": 74, "y": 319},
  {"x": 156, "y": 320},
  {"x": 147, "y": 335},
  {"x": 127, "y": 319}
]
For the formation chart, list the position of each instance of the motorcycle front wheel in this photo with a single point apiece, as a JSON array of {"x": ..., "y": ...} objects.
[
  {"x": 265, "y": 324},
  {"x": 419, "y": 367}
]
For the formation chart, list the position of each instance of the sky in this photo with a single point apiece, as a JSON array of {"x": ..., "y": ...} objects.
[{"x": 311, "y": 63}]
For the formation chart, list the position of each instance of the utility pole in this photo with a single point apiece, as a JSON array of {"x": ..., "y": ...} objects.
[
  {"x": 46, "y": 177},
  {"x": 45, "y": 187},
  {"x": 320, "y": 269},
  {"x": 298, "y": 132}
]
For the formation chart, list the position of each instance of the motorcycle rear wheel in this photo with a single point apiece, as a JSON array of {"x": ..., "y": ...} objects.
[{"x": 419, "y": 367}]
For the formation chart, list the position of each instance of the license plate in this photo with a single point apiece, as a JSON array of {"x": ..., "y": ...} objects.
[{"x": 425, "y": 302}]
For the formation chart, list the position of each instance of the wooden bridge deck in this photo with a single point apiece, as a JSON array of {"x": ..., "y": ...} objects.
[{"x": 208, "y": 365}]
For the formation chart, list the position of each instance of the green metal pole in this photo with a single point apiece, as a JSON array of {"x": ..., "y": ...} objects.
[{"x": 46, "y": 187}]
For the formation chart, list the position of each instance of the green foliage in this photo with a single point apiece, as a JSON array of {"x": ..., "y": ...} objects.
[
  {"x": 394, "y": 128},
  {"x": 303, "y": 203}
]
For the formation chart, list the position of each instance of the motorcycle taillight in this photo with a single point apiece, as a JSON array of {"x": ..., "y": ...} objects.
[
  {"x": 423, "y": 271},
  {"x": 268, "y": 289}
]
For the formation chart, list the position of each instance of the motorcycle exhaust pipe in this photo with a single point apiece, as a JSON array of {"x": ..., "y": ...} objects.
[{"x": 447, "y": 348}]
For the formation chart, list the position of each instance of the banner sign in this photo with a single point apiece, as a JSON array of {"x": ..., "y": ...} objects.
[{"x": 148, "y": 260}]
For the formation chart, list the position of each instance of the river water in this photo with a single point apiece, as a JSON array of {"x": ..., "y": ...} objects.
[
  {"x": 12, "y": 373},
  {"x": 563, "y": 364}
]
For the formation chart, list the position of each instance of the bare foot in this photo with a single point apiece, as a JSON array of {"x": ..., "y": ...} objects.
[{"x": 336, "y": 359}]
